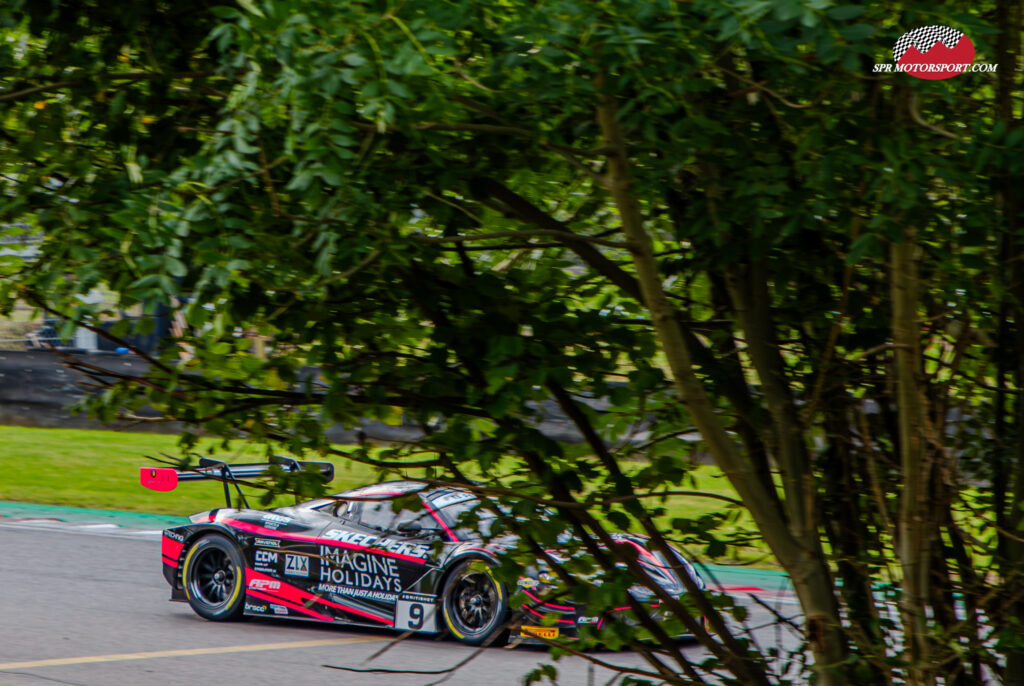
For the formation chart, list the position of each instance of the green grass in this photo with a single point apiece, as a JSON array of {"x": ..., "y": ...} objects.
[
  {"x": 100, "y": 469},
  {"x": 14, "y": 328}
]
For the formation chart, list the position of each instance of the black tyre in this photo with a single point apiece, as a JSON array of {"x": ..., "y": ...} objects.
[
  {"x": 214, "y": 578},
  {"x": 474, "y": 604}
]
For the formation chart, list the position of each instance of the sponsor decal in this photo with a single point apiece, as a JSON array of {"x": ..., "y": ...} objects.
[
  {"x": 334, "y": 589},
  {"x": 279, "y": 609},
  {"x": 299, "y": 600},
  {"x": 174, "y": 536},
  {"x": 588, "y": 620},
  {"x": 250, "y": 607},
  {"x": 539, "y": 631},
  {"x": 268, "y": 542},
  {"x": 273, "y": 521},
  {"x": 528, "y": 582},
  {"x": 419, "y": 597},
  {"x": 452, "y": 498},
  {"x": 159, "y": 478},
  {"x": 267, "y": 557},
  {"x": 416, "y": 616},
  {"x": 370, "y": 541},
  {"x": 296, "y": 565},
  {"x": 266, "y": 560},
  {"x": 359, "y": 570}
]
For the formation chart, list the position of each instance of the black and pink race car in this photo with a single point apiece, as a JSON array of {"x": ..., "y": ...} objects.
[{"x": 351, "y": 559}]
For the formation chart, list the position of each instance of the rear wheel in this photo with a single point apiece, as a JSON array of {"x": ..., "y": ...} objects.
[
  {"x": 474, "y": 604},
  {"x": 214, "y": 578}
]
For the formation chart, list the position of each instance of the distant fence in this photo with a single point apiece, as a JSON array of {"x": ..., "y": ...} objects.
[{"x": 42, "y": 334}]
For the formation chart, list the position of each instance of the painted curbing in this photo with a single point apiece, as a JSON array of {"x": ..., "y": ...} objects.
[{"x": 81, "y": 515}]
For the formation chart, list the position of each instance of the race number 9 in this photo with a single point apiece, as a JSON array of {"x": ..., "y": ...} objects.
[{"x": 412, "y": 615}]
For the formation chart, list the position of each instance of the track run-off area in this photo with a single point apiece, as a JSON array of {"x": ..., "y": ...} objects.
[{"x": 83, "y": 602}]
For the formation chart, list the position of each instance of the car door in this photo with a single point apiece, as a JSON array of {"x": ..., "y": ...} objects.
[
  {"x": 363, "y": 565},
  {"x": 406, "y": 545}
]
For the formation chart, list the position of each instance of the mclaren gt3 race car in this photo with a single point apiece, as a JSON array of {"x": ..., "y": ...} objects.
[{"x": 351, "y": 559}]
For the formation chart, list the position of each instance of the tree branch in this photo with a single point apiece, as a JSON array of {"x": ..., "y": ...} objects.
[
  {"x": 566, "y": 236},
  {"x": 127, "y": 76}
]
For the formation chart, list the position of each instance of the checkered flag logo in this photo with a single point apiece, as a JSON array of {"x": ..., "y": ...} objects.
[{"x": 925, "y": 38}]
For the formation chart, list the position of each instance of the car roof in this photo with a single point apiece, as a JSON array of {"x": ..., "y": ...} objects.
[
  {"x": 385, "y": 488},
  {"x": 438, "y": 496}
]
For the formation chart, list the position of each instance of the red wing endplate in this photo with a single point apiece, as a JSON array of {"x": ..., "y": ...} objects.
[
  {"x": 166, "y": 479},
  {"x": 159, "y": 478}
]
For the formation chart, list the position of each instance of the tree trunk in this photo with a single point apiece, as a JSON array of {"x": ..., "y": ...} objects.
[
  {"x": 1008, "y": 476},
  {"x": 806, "y": 566},
  {"x": 914, "y": 530},
  {"x": 847, "y": 520}
]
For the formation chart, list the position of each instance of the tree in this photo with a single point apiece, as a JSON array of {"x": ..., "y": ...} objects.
[{"x": 459, "y": 210}]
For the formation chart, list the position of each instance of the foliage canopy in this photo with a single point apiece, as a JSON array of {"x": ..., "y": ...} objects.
[{"x": 708, "y": 216}]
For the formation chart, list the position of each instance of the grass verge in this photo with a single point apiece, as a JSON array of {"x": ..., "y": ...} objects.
[{"x": 100, "y": 469}]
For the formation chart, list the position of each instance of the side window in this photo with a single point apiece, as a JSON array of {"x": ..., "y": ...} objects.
[
  {"x": 379, "y": 515},
  {"x": 343, "y": 509}
]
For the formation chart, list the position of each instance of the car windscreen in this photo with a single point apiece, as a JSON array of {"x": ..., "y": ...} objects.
[
  {"x": 460, "y": 513},
  {"x": 469, "y": 517}
]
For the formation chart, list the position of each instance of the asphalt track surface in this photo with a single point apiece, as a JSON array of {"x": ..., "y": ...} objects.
[{"x": 86, "y": 604}]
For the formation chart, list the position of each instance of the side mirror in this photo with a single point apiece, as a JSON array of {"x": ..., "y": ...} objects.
[{"x": 410, "y": 528}]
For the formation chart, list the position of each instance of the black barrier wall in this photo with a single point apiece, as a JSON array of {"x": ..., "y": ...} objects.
[{"x": 37, "y": 390}]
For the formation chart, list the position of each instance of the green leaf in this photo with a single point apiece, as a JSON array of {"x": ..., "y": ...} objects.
[
  {"x": 219, "y": 348},
  {"x": 399, "y": 89},
  {"x": 250, "y": 6},
  {"x": 845, "y": 12},
  {"x": 175, "y": 266},
  {"x": 197, "y": 317},
  {"x": 857, "y": 32},
  {"x": 619, "y": 519}
]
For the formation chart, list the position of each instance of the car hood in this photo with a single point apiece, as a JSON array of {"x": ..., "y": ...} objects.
[{"x": 664, "y": 572}]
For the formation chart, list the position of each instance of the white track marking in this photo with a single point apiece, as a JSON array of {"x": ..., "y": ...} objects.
[{"x": 218, "y": 650}]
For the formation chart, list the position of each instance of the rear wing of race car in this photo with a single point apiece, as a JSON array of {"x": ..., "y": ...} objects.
[{"x": 167, "y": 478}]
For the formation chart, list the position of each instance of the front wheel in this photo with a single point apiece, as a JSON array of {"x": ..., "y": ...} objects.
[
  {"x": 474, "y": 604},
  {"x": 214, "y": 578}
]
